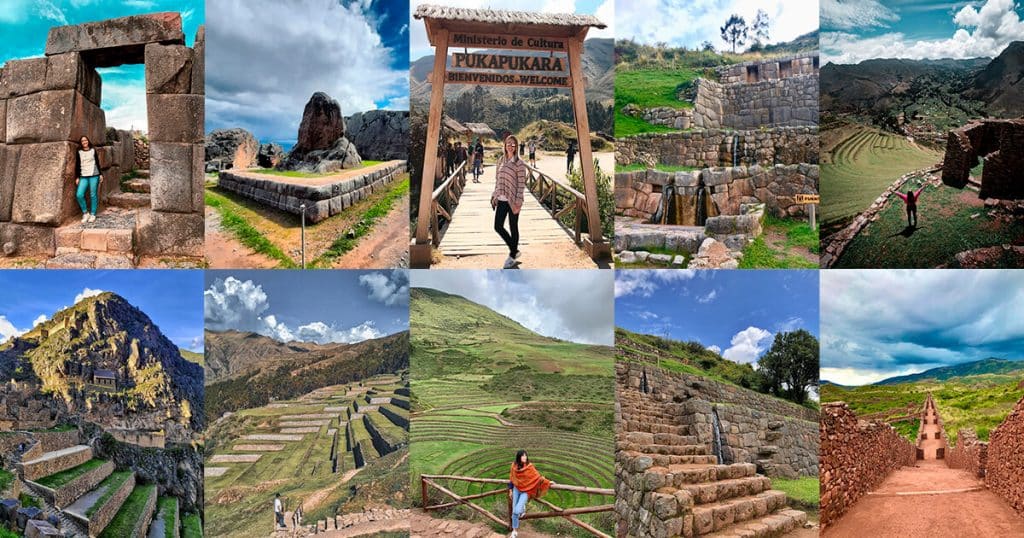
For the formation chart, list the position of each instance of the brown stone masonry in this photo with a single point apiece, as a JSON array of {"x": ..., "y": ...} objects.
[
  {"x": 1004, "y": 473},
  {"x": 968, "y": 453}
]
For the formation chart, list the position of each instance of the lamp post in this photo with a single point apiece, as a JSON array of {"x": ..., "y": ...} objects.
[{"x": 303, "y": 208}]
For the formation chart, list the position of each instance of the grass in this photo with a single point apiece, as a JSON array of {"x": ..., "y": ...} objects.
[
  {"x": 648, "y": 88},
  {"x": 111, "y": 484},
  {"x": 949, "y": 221},
  {"x": 798, "y": 236},
  {"x": 860, "y": 166},
  {"x": 245, "y": 232},
  {"x": 124, "y": 522},
  {"x": 638, "y": 167},
  {"x": 191, "y": 526},
  {"x": 64, "y": 477},
  {"x": 630, "y": 126},
  {"x": 167, "y": 507},
  {"x": 27, "y": 500},
  {"x": 7, "y": 533},
  {"x": 907, "y": 428},
  {"x": 366, "y": 221},
  {"x": 805, "y": 490},
  {"x": 6, "y": 479},
  {"x": 301, "y": 174}
]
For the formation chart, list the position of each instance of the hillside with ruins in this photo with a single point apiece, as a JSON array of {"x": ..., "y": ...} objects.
[{"x": 484, "y": 386}]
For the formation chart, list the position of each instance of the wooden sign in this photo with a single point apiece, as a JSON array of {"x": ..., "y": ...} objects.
[
  {"x": 501, "y": 41},
  {"x": 506, "y": 79},
  {"x": 508, "y": 62},
  {"x": 808, "y": 199}
]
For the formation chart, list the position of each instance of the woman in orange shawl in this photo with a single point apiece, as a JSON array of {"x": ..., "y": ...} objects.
[{"x": 525, "y": 482}]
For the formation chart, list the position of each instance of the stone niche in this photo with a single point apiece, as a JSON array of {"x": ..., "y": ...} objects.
[
  {"x": 998, "y": 143},
  {"x": 49, "y": 103}
]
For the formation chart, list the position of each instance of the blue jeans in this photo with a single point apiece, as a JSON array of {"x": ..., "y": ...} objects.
[
  {"x": 91, "y": 182},
  {"x": 518, "y": 506}
]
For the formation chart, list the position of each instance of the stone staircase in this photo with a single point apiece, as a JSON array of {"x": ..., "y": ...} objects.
[
  {"x": 107, "y": 242},
  {"x": 676, "y": 484}
]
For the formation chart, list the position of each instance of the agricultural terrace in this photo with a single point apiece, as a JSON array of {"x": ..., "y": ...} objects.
[{"x": 307, "y": 449}]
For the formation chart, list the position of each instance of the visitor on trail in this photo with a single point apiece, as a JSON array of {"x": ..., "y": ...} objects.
[
  {"x": 533, "y": 152},
  {"x": 279, "y": 512},
  {"x": 478, "y": 160},
  {"x": 507, "y": 198},
  {"x": 570, "y": 154},
  {"x": 449, "y": 158},
  {"x": 460, "y": 155},
  {"x": 87, "y": 176},
  {"x": 911, "y": 200},
  {"x": 524, "y": 483}
]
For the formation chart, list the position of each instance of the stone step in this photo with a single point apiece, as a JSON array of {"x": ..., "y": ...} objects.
[
  {"x": 142, "y": 174},
  {"x": 89, "y": 260},
  {"x": 96, "y": 518},
  {"x": 129, "y": 200},
  {"x": 728, "y": 489},
  {"x": 54, "y": 462},
  {"x": 71, "y": 490},
  {"x": 771, "y": 525},
  {"x": 720, "y": 516},
  {"x": 138, "y": 184},
  {"x": 133, "y": 518},
  {"x": 669, "y": 450},
  {"x": 663, "y": 460},
  {"x": 678, "y": 476}
]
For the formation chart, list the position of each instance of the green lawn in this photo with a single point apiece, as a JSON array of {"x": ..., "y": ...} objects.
[
  {"x": 804, "y": 490},
  {"x": 130, "y": 512},
  {"x": 799, "y": 239},
  {"x": 191, "y": 526},
  {"x": 648, "y": 88},
  {"x": 57, "y": 480},
  {"x": 6, "y": 479},
  {"x": 908, "y": 429},
  {"x": 630, "y": 126},
  {"x": 111, "y": 485},
  {"x": 231, "y": 220},
  {"x": 167, "y": 507},
  {"x": 300, "y": 174}
]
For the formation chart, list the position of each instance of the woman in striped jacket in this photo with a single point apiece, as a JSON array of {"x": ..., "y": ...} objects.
[{"x": 507, "y": 199}]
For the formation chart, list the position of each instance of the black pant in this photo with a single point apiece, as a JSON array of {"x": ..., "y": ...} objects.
[
  {"x": 568, "y": 162},
  {"x": 512, "y": 240},
  {"x": 911, "y": 215}
]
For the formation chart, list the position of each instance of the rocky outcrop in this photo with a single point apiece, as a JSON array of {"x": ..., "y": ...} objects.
[
  {"x": 270, "y": 155},
  {"x": 231, "y": 149},
  {"x": 969, "y": 453},
  {"x": 380, "y": 135},
  {"x": 322, "y": 146},
  {"x": 177, "y": 469}
]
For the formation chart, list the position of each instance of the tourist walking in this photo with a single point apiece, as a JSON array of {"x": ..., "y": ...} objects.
[
  {"x": 449, "y": 158},
  {"x": 911, "y": 200},
  {"x": 507, "y": 199},
  {"x": 279, "y": 512},
  {"x": 461, "y": 156},
  {"x": 87, "y": 177},
  {"x": 532, "y": 145},
  {"x": 570, "y": 156},
  {"x": 525, "y": 483},
  {"x": 478, "y": 160}
]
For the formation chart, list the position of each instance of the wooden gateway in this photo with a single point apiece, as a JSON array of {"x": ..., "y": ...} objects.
[{"x": 559, "y": 35}]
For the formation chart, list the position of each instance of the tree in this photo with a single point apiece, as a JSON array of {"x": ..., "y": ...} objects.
[
  {"x": 790, "y": 367},
  {"x": 760, "y": 27},
  {"x": 735, "y": 31},
  {"x": 707, "y": 46}
]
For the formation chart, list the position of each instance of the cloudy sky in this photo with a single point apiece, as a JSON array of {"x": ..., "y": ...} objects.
[
  {"x": 24, "y": 25},
  {"x": 916, "y": 320},
  {"x": 309, "y": 306},
  {"x": 604, "y": 10},
  {"x": 570, "y": 305},
  {"x": 735, "y": 313},
  {"x": 173, "y": 298},
  {"x": 688, "y": 23},
  {"x": 266, "y": 58},
  {"x": 853, "y": 31}
]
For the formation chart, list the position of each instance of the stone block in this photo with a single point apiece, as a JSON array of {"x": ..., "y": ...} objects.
[
  {"x": 54, "y": 115},
  {"x": 8, "y": 173},
  {"x": 94, "y": 239},
  {"x": 119, "y": 241},
  {"x": 199, "y": 62},
  {"x": 40, "y": 529},
  {"x": 68, "y": 237},
  {"x": 175, "y": 118},
  {"x": 22, "y": 77},
  {"x": 118, "y": 41},
  {"x": 45, "y": 189},
  {"x": 169, "y": 234},
  {"x": 69, "y": 72},
  {"x": 168, "y": 69},
  {"x": 3, "y": 118},
  {"x": 172, "y": 173},
  {"x": 198, "y": 178}
]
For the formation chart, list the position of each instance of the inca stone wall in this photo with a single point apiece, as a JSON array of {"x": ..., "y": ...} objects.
[
  {"x": 321, "y": 201},
  {"x": 638, "y": 194},
  {"x": 774, "y": 69},
  {"x": 856, "y": 457},
  {"x": 1006, "y": 459},
  {"x": 68, "y": 493},
  {"x": 719, "y": 147},
  {"x": 767, "y": 103},
  {"x": 969, "y": 453},
  {"x": 99, "y": 520},
  {"x": 999, "y": 143}
]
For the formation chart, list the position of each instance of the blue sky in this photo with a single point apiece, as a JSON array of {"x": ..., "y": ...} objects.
[
  {"x": 266, "y": 58},
  {"x": 735, "y": 313},
  {"x": 882, "y": 323},
  {"x": 570, "y": 305},
  {"x": 24, "y": 25},
  {"x": 690, "y": 23},
  {"x": 853, "y": 31},
  {"x": 173, "y": 299},
  {"x": 603, "y": 9},
  {"x": 310, "y": 306}
]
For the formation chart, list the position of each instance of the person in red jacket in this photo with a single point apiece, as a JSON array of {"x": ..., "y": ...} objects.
[
  {"x": 524, "y": 483},
  {"x": 911, "y": 200}
]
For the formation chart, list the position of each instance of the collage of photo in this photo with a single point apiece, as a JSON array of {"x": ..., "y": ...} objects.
[{"x": 531, "y": 269}]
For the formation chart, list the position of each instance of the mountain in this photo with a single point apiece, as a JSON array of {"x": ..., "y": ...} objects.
[
  {"x": 246, "y": 370},
  {"x": 55, "y": 362},
  {"x": 1000, "y": 83},
  {"x": 982, "y": 367},
  {"x": 192, "y": 356},
  {"x": 824, "y": 382}
]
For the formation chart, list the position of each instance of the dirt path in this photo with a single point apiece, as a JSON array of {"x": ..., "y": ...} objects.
[
  {"x": 319, "y": 495},
  {"x": 776, "y": 241},
  {"x": 386, "y": 246},
  {"x": 929, "y": 500},
  {"x": 365, "y": 529},
  {"x": 224, "y": 251},
  {"x": 424, "y": 526}
]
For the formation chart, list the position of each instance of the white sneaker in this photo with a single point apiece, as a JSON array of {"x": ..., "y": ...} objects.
[
  {"x": 85, "y": 217},
  {"x": 517, "y": 255},
  {"x": 92, "y": 218},
  {"x": 510, "y": 262},
  {"x": 514, "y": 534}
]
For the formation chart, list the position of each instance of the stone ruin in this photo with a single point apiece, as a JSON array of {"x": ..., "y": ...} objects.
[
  {"x": 1005, "y": 459},
  {"x": 997, "y": 143},
  {"x": 321, "y": 145},
  {"x": 47, "y": 104}
]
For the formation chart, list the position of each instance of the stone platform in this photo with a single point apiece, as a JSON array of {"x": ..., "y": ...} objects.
[{"x": 323, "y": 196}]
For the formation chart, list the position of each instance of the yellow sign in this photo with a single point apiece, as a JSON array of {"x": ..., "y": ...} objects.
[
  {"x": 507, "y": 79},
  {"x": 808, "y": 199},
  {"x": 500, "y": 41},
  {"x": 507, "y": 62}
]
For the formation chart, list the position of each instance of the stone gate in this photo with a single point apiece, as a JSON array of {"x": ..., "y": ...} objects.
[{"x": 47, "y": 104}]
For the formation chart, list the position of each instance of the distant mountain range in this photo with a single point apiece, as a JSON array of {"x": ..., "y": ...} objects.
[{"x": 985, "y": 366}]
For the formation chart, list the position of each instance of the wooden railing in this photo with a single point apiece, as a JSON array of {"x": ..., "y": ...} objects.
[
  {"x": 444, "y": 199},
  {"x": 430, "y": 481},
  {"x": 558, "y": 197}
]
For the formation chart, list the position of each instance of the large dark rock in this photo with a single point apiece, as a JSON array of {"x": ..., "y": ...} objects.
[
  {"x": 380, "y": 135},
  {"x": 342, "y": 154},
  {"x": 231, "y": 148},
  {"x": 270, "y": 155},
  {"x": 322, "y": 146}
]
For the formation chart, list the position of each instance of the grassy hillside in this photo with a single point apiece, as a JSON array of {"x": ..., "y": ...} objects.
[
  {"x": 648, "y": 88},
  {"x": 192, "y": 356},
  {"x": 974, "y": 369},
  {"x": 686, "y": 357}
]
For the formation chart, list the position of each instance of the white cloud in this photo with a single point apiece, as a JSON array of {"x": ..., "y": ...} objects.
[
  {"x": 322, "y": 333},
  {"x": 87, "y": 292},
  {"x": 705, "y": 299},
  {"x": 8, "y": 330},
  {"x": 645, "y": 282},
  {"x": 40, "y": 319},
  {"x": 748, "y": 345},
  {"x": 196, "y": 344},
  {"x": 125, "y": 104},
  {"x": 715, "y": 349},
  {"x": 388, "y": 288},
  {"x": 789, "y": 325},
  {"x": 994, "y": 25},
  {"x": 853, "y": 377},
  {"x": 847, "y": 15}
]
